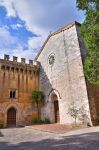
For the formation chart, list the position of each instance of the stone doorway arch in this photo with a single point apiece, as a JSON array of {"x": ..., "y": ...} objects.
[
  {"x": 54, "y": 98},
  {"x": 55, "y": 103},
  {"x": 11, "y": 117}
]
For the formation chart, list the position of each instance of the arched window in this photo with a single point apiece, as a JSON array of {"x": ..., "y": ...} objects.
[{"x": 12, "y": 94}]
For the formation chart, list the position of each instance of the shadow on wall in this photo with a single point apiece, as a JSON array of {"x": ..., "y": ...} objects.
[
  {"x": 93, "y": 94},
  {"x": 75, "y": 142},
  {"x": 47, "y": 87},
  {"x": 1, "y": 135}
]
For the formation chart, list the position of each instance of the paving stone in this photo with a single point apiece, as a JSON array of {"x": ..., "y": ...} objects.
[{"x": 30, "y": 139}]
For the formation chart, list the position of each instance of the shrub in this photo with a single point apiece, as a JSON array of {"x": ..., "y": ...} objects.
[
  {"x": 40, "y": 121},
  {"x": 1, "y": 126},
  {"x": 46, "y": 120},
  {"x": 38, "y": 98}
]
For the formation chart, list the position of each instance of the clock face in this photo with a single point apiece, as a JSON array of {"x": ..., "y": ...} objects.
[{"x": 51, "y": 59}]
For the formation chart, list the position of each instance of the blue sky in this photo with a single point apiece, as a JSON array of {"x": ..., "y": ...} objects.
[{"x": 25, "y": 24}]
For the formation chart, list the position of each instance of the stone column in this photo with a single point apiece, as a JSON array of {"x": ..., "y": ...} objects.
[
  {"x": 13, "y": 73},
  {"x": 30, "y": 83},
  {"x": 36, "y": 80},
  {"x": 27, "y": 81},
  {"x": 33, "y": 81},
  {"x": 19, "y": 80},
  {"x": 7, "y": 82},
  {"x": 23, "y": 81},
  {"x": 2, "y": 83}
]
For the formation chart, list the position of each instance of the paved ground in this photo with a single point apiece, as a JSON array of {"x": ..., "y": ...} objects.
[
  {"x": 31, "y": 139},
  {"x": 53, "y": 128}
]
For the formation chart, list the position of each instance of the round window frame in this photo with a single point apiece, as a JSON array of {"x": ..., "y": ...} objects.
[{"x": 53, "y": 59}]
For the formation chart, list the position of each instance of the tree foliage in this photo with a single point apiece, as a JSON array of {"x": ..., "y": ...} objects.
[
  {"x": 90, "y": 32},
  {"x": 38, "y": 98},
  {"x": 73, "y": 111},
  {"x": 78, "y": 113}
]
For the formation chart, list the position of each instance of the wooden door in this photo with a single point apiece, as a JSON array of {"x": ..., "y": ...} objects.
[
  {"x": 56, "y": 111},
  {"x": 11, "y": 117}
]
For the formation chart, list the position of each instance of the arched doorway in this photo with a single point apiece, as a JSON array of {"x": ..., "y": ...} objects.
[
  {"x": 55, "y": 102},
  {"x": 11, "y": 117}
]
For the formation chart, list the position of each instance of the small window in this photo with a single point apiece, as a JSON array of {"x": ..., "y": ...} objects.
[
  {"x": 51, "y": 59},
  {"x": 12, "y": 94}
]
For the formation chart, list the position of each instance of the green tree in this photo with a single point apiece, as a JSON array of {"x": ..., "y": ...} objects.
[
  {"x": 90, "y": 32},
  {"x": 73, "y": 111},
  {"x": 38, "y": 98}
]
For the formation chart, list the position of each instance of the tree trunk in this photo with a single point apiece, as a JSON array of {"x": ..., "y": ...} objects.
[
  {"x": 75, "y": 121},
  {"x": 38, "y": 109}
]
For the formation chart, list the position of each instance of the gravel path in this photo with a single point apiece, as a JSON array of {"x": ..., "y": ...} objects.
[{"x": 30, "y": 139}]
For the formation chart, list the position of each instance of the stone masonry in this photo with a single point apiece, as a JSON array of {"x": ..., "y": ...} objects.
[
  {"x": 17, "y": 81},
  {"x": 65, "y": 76}
]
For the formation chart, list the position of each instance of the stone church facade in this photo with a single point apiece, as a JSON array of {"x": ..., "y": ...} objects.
[
  {"x": 58, "y": 73},
  {"x": 62, "y": 78}
]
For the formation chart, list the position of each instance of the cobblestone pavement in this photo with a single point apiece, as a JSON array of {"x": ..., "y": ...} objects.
[
  {"x": 31, "y": 139},
  {"x": 53, "y": 128}
]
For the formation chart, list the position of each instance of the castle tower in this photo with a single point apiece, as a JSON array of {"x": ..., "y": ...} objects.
[{"x": 17, "y": 81}]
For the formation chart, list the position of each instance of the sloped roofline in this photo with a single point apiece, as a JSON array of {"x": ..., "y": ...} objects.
[{"x": 56, "y": 32}]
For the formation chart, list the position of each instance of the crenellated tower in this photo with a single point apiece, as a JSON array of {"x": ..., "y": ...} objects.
[{"x": 17, "y": 81}]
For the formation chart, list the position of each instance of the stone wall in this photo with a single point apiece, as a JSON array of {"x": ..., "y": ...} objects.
[
  {"x": 93, "y": 93},
  {"x": 65, "y": 76},
  {"x": 23, "y": 79}
]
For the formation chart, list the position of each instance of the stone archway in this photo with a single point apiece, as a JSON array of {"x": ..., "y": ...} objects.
[
  {"x": 18, "y": 109},
  {"x": 55, "y": 104},
  {"x": 11, "y": 117}
]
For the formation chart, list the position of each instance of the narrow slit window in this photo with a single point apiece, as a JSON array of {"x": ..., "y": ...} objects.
[
  {"x": 14, "y": 94},
  {"x": 11, "y": 94}
]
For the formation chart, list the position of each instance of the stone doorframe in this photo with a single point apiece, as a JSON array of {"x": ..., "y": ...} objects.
[
  {"x": 11, "y": 116},
  {"x": 18, "y": 112},
  {"x": 51, "y": 104}
]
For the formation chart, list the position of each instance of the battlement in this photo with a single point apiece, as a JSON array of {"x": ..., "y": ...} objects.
[{"x": 6, "y": 62}]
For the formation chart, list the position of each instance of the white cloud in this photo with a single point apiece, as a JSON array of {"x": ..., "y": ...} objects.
[
  {"x": 28, "y": 13},
  {"x": 41, "y": 16},
  {"x": 9, "y": 6},
  {"x": 6, "y": 40},
  {"x": 16, "y": 26},
  {"x": 36, "y": 42},
  {"x": 10, "y": 45},
  {"x": 28, "y": 54}
]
